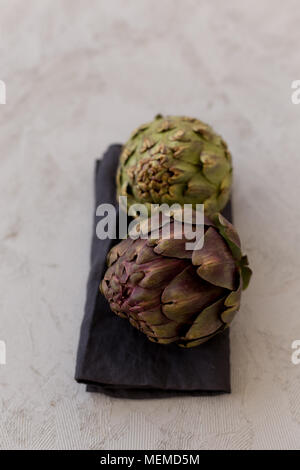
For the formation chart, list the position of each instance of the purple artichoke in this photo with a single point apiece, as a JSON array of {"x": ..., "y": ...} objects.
[{"x": 174, "y": 295}]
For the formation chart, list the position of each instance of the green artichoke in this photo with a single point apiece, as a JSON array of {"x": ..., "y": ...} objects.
[
  {"x": 175, "y": 160},
  {"x": 174, "y": 295}
]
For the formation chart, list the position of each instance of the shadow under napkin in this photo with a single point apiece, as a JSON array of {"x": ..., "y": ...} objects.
[{"x": 115, "y": 358}]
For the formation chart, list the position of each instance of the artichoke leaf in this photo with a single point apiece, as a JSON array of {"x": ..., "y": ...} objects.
[
  {"x": 215, "y": 166},
  {"x": 199, "y": 187},
  {"x": 187, "y": 294},
  {"x": 232, "y": 303},
  {"x": 160, "y": 271},
  {"x": 203, "y": 339},
  {"x": 229, "y": 233},
  {"x": 215, "y": 262},
  {"x": 207, "y": 322}
]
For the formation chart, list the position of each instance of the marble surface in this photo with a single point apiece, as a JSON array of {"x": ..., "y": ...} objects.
[{"x": 80, "y": 75}]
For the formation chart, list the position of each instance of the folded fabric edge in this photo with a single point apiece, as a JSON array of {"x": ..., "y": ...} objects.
[{"x": 149, "y": 393}]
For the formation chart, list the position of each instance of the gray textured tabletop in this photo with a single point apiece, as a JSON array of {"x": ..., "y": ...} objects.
[{"x": 80, "y": 75}]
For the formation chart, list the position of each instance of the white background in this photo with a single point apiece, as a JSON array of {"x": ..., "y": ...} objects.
[{"x": 83, "y": 74}]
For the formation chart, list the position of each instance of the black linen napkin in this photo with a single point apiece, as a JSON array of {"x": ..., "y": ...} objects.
[{"x": 115, "y": 358}]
